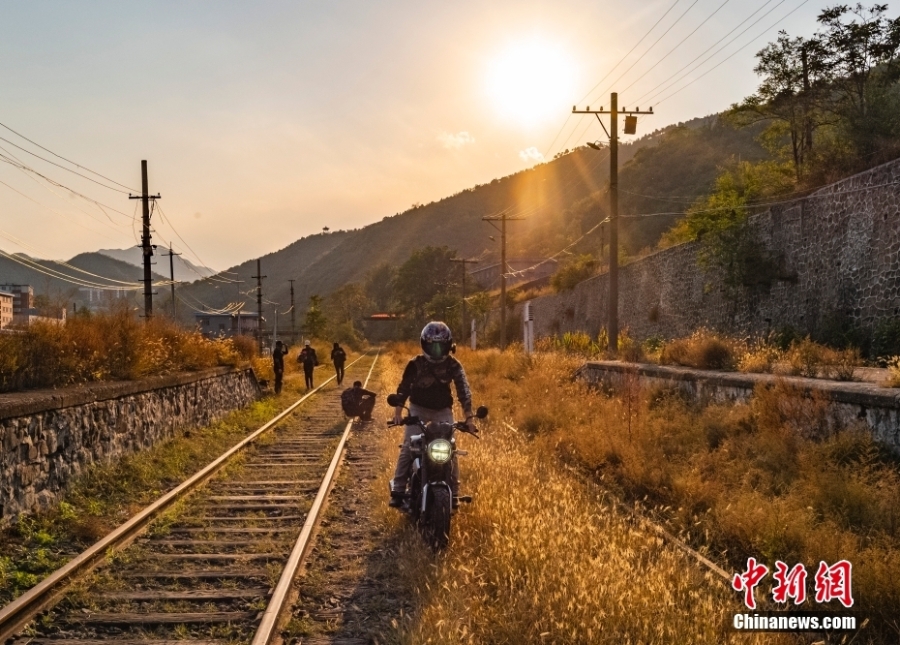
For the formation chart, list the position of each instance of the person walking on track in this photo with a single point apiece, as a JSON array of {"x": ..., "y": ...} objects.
[
  {"x": 338, "y": 357},
  {"x": 278, "y": 355},
  {"x": 309, "y": 360}
]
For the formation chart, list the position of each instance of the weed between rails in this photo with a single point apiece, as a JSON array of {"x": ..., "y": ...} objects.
[{"x": 539, "y": 557}]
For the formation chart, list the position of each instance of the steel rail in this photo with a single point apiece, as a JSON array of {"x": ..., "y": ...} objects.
[
  {"x": 15, "y": 615},
  {"x": 269, "y": 622}
]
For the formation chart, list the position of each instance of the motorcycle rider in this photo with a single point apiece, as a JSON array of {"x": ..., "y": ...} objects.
[{"x": 426, "y": 383}]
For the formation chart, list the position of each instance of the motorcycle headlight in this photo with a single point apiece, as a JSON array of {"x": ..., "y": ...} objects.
[{"x": 439, "y": 451}]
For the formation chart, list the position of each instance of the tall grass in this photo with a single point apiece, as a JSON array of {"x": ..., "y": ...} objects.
[
  {"x": 763, "y": 479},
  {"x": 108, "y": 346},
  {"x": 540, "y": 556}
]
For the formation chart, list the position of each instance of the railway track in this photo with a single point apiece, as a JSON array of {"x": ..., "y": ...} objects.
[{"x": 212, "y": 560}]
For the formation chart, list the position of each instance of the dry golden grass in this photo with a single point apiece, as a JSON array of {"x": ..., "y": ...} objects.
[
  {"x": 704, "y": 349},
  {"x": 108, "y": 346},
  {"x": 541, "y": 556}
]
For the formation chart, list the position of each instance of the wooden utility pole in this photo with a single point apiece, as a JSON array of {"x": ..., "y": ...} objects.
[
  {"x": 464, "y": 263},
  {"x": 613, "y": 133},
  {"x": 172, "y": 253},
  {"x": 146, "y": 246},
  {"x": 259, "y": 323},
  {"x": 293, "y": 316},
  {"x": 503, "y": 218}
]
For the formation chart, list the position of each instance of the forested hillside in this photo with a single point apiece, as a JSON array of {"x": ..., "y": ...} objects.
[{"x": 560, "y": 200}]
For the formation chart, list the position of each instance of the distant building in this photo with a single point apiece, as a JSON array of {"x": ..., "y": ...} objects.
[
  {"x": 23, "y": 297},
  {"x": 102, "y": 298},
  {"x": 6, "y": 308},
  {"x": 227, "y": 325},
  {"x": 46, "y": 315}
]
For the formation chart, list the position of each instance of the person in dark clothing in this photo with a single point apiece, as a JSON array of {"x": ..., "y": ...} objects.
[
  {"x": 338, "y": 357},
  {"x": 358, "y": 402},
  {"x": 426, "y": 383},
  {"x": 278, "y": 355},
  {"x": 309, "y": 360}
]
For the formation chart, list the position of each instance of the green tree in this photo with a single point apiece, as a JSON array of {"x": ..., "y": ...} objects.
[
  {"x": 790, "y": 97},
  {"x": 427, "y": 273},
  {"x": 315, "y": 323},
  {"x": 379, "y": 287}
]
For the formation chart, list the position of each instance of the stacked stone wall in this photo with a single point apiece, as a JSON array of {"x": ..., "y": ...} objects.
[
  {"x": 49, "y": 437},
  {"x": 839, "y": 250}
]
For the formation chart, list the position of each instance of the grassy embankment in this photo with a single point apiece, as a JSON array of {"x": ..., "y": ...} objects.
[
  {"x": 107, "y": 494},
  {"x": 542, "y": 556}
]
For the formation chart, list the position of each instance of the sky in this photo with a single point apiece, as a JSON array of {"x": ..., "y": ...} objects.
[{"x": 266, "y": 121}]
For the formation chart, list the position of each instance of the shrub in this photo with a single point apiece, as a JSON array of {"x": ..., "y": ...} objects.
[
  {"x": 108, "y": 346},
  {"x": 760, "y": 358},
  {"x": 704, "y": 349},
  {"x": 577, "y": 270}
]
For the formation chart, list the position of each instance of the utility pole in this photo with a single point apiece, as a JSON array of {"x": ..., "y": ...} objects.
[
  {"x": 172, "y": 253},
  {"x": 613, "y": 134},
  {"x": 293, "y": 312},
  {"x": 464, "y": 262},
  {"x": 503, "y": 217},
  {"x": 259, "y": 323},
  {"x": 145, "y": 196}
]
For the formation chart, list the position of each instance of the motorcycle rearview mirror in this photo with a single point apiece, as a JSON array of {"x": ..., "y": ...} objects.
[
  {"x": 481, "y": 412},
  {"x": 394, "y": 400}
]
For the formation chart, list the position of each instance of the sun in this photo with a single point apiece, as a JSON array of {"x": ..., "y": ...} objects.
[{"x": 531, "y": 81}]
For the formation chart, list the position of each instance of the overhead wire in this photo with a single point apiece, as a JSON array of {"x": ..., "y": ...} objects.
[
  {"x": 649, "y": 94},
  {"x": 215, "y": 278},
  {"x": 739, "y": 49},
  {"x": 680, "y": 43},
  {"x": 53, "y": 163},
  {"x": 18, "y": 134},
  {"x": 605, "y": 76}
]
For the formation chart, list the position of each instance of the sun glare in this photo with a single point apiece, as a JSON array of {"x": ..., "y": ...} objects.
[{"x": 531, "y": 81}]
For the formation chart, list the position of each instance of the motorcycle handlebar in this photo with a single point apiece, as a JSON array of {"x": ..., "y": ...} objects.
[{"x": 409, "y": 421}]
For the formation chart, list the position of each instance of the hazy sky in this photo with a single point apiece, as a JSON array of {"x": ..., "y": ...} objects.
[{"x": 265, "y": 121}]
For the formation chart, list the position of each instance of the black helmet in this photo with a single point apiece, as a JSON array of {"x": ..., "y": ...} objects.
[{"x": 436, "y": 341}]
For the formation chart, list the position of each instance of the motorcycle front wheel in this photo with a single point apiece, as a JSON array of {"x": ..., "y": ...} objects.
[{"x": 437, "y": 521}]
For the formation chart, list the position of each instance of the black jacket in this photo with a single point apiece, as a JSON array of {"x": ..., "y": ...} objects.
[{"x": 427, "y": 384}]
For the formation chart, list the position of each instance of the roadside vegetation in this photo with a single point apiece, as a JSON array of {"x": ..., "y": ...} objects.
[
  {"x": 542, "y": 555},
  {"x": 107, "y": 494},
  {"x": 113, "y": 345},
  {"x": 734, "y": 481}
]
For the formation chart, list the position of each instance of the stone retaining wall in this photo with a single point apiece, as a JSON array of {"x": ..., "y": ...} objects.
[
  {"x": 48, "y": 437},
  {"x": 849, "y": 403},
  {"x": 839, "y": 256}
]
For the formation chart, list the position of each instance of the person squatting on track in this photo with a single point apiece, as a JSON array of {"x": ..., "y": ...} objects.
[
  {"x": 338, "y": 357},
  {"x": 278, "y": 355},
  {"x": 426, "y": 383},
  {"x": 309, "y": 360},
  {"x": 358, "y": 402}
]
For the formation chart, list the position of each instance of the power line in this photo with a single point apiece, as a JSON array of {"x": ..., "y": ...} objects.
[
  {"x": 605, "y": 76},
  {"x": 680, "y": 43},
  {"x": 669, "y": 82},
  {"x": 64, "y": 159},
  {"x": 53, "y": 163},
  {"x": 750, "y": 42},
  {"x": 214, "y": 278},
  {"x": 22, "y": 166}
]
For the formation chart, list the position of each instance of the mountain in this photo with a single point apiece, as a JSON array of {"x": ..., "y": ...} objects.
[
  {"x": 185, "y": 270},
  {"x": 560, "y": 201},
  {"x": 65, "y": 283}
]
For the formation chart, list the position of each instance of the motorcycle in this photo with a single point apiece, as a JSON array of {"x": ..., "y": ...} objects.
[{"x": 429, "y": 500}]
